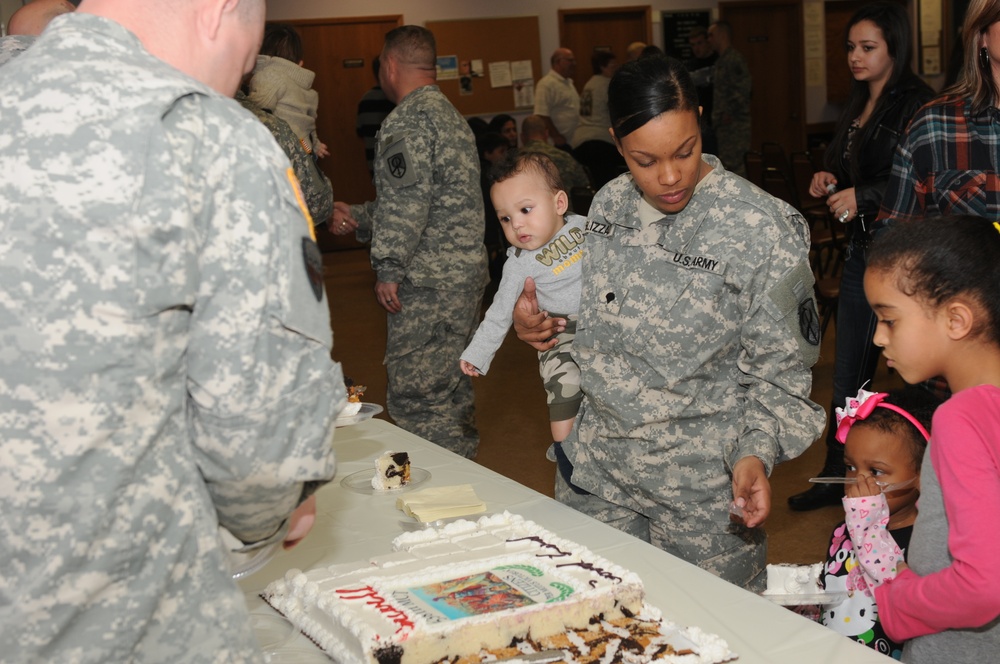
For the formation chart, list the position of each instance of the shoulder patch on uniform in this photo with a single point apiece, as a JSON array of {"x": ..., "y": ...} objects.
[
  {"x": 809, "y": 322},
  {"x": 294, "y": 181},
  {"x": 313, "y": 261},
  {"x": 399, "y": 164},
  {"x": 791, "y": 300}
]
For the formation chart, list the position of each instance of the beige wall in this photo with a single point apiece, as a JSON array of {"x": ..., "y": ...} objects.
[
  {"x": 817, "y": 110},
  {"x": 7, "y": 8},
  {"x": 419, "y": 12}
]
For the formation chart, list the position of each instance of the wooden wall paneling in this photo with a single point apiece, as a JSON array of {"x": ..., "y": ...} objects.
[
  {"x": 585, "y": 31},
  {"x": 340, "y": 51},
  {"x": 769, "y": 34},
  {"x": 490, "y": 40}
]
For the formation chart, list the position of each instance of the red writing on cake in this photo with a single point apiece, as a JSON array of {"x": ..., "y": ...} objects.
[{"x": 380, "y": 604}]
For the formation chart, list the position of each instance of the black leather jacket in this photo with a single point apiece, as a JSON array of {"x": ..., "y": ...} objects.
[{"x": 875, "y": 156}]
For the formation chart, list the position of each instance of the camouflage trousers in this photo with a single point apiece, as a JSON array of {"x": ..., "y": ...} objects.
[
  {"x": 560, "y": 375},
  {"x": 734, "y": 142},
  {"x": 428, "y": 395},
  {"x": 734, "y": 554}
]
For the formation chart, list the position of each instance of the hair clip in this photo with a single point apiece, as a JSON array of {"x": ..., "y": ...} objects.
[{"x": 860, "y": 407}]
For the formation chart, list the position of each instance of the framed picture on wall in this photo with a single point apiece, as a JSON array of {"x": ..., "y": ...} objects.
[{"x": 677, "y": 26}]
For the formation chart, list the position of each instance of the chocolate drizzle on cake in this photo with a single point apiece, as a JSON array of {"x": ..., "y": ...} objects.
[
  {"x": 604, "y": 642},
  {"x": 556, "y": 552}
]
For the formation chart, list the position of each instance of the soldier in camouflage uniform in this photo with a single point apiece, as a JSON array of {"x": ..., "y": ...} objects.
[
  {"x": 535, "y": 138},
  {"x": 316, "y": 188},
  {"x": 731, "y": 84},
  {"x": 27, "y": 23},
  {"x": 12, "y": 46},
  {"x": 426, "y": 232},
  {"x": 696, "y": 335},
  {"x": 166, "y": 340}
]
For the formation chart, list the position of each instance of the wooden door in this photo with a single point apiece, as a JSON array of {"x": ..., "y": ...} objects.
[
  {"x": 585, "y": 31},
  {"x": 769, "y": 34},
  {"x": 340, "y": 51}
]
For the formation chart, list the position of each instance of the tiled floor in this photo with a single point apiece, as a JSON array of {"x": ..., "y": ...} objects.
[{"x": 512, "y": 417}]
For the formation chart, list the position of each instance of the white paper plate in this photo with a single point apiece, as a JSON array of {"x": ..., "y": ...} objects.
[
  {"x": 368, "y": 411},
  {"x": 805, "y": 599},
  {"x": 361, "y": 482},
  {"x": 243, "y": 564}
]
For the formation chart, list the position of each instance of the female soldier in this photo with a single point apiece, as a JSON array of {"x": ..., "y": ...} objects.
[{"x": 696, "y": 336}]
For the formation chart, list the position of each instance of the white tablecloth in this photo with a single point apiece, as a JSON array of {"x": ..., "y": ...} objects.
[{"x": 352, "y": 526}]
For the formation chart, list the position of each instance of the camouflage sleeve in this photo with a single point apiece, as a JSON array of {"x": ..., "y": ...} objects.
[
  {"x": 732, "y": 88},
  {"x": 779, "y": 345},
  {"x": 263, "y": 391},
  {"x": 743, "y": 84},
  {"x": 579, "y": 177},
  {"x": 316, "y": 187},
  {"x": 404, "y": 201},
  {"x": 362, "y": 213}
]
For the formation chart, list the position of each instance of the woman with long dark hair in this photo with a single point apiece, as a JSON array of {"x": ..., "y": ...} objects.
[
  {"x": 697, "y": 334},
  {"x": 885, "y": 93}
]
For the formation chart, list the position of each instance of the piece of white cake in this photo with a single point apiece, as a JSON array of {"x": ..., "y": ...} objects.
[
  {"x": 783, "y": 579},
  {"x": 392, "y": 471}
]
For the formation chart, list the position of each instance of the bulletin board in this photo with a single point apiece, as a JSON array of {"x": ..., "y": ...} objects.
[{"x": 467, "y": 45}]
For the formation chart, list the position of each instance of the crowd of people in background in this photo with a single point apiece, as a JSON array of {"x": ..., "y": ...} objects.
[{"x": 168, "y": 353}]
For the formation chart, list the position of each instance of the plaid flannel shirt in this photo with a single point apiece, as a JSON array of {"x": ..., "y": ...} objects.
[{"x": 946, "y": 164}]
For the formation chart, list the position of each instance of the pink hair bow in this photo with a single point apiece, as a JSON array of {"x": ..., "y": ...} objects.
[{"x": 860, "y": 407}]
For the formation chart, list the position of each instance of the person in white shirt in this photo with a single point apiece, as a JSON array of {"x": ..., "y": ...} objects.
[{"x": 556, "y": 98}]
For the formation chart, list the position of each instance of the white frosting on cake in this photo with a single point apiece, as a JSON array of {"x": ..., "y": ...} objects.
[
  {"x": 350, "y": 408},
  {"x": 786, "y": 579},
  {"x": 372, "y": 611}
]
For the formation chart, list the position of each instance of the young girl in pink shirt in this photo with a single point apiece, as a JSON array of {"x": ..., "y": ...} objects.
[{"x": 934, "y": 285}]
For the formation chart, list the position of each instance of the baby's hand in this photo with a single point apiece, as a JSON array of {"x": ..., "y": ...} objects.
[
  {"x": 468, "y": 369},
  {"x": 865, "y": 486},
  {"x": 321, "y": 150}
]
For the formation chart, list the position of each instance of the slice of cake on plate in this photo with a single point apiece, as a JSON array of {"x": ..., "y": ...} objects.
[
  {"x": 354, "y": 394},
  {"x": 392, "y": 471}
]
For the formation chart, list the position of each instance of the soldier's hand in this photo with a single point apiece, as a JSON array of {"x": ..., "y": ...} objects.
[
  {"x": 342, "y": 223},
  {"x": 388, "y": 296},
  {"x": 302, "y": 520},
  {"x": 532, "y": 326},
  {"x": 751, "y": 490}
]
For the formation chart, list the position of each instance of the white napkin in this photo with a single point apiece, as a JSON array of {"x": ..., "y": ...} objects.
[{"x": 441, "y": 502}]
